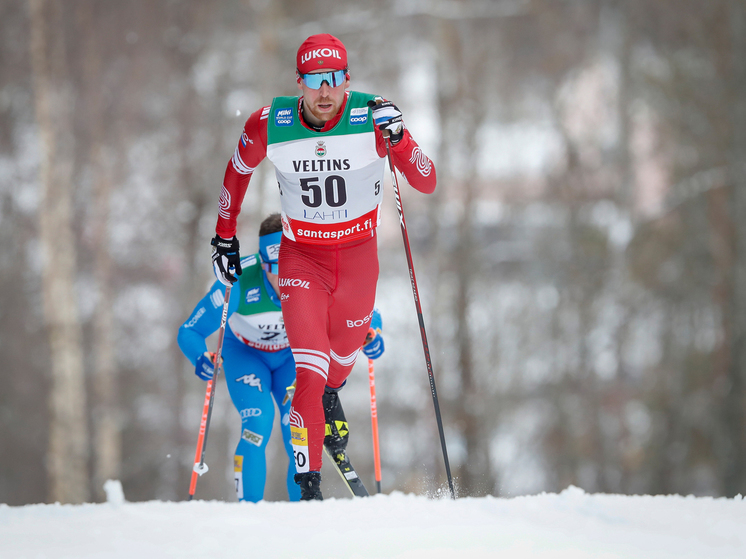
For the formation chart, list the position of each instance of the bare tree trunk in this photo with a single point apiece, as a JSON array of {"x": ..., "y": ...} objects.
[
  {"x": 734, "y": 474},
  {"x": 474, "y": 474},
  {"x": 175, "y": 479},
  {"x": 470, "y": 411},
  {"x": 107, "y": 439},
  {"x": 68, "y": 437}
]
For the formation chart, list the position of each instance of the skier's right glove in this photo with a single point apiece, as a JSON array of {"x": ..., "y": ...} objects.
[
  {"x": 225, "y": 256},
  {"x": 205, "y": 368}
]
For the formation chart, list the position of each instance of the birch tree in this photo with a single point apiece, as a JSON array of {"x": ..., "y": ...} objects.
[{"x": 68, "y": 433}]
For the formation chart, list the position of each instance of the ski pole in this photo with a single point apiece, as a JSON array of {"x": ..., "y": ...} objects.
[
  {"x": 199, "y": 457},
  {"x": 374, "y": 424},
  {"x": 200, "y": 441},
  {"x": 415, "y": 292}
]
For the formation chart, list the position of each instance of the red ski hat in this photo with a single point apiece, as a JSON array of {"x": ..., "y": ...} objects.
[{"x": 321, "y": 52}]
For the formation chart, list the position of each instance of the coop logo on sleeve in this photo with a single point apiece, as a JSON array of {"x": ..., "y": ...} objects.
[
  {"x": 359, "y": 115},
  {"x": 283, "y": 117}
]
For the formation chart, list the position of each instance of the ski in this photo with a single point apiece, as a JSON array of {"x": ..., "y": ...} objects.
[{"x": 348, "y": 473}]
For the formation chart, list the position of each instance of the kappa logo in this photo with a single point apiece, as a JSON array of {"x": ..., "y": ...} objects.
[
  {"x": 253, "y": 295},
  {"x": 252, "y": 380},
  {"x": 283, "y": 117},
  {"x": 287, "y": 282}
]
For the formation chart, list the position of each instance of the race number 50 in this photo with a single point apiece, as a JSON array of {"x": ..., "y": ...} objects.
[{"x": 334, "y": 193}]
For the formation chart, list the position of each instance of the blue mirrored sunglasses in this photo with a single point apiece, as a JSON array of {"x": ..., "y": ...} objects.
[
  {"x": 334, "y": 79},
  {"x": 271, "y": 267}
]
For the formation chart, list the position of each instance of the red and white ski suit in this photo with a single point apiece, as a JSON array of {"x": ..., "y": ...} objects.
[{"x": 327, "y": 290}]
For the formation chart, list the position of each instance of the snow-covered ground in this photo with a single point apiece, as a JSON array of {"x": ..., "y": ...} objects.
[{"x": 572, "y": 525}]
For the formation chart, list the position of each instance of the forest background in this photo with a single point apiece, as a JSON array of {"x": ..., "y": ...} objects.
[{"x": 582, "y": 263}]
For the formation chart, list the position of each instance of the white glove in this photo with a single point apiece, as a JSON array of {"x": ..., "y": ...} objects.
[{"x": 387, "y": 117}]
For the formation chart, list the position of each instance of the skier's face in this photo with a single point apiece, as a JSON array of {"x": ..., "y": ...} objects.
[{"x": 323, "y": 104}]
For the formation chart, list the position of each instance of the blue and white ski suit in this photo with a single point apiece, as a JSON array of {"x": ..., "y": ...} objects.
[{"x": 258, "y": 365}]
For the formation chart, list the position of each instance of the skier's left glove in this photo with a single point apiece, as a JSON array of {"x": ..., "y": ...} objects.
[
  {"x": 225, "y": 255},
  {"x": 387, "y": 116},
  {"x": 373, "y": 347}
]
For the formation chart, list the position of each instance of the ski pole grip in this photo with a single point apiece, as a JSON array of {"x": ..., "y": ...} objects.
[{"x": 386, "y": 132}]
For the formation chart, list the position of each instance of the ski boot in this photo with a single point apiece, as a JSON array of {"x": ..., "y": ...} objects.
[
  {"x": 310, "y": 486},
  {"x": 336, "y": 432}
]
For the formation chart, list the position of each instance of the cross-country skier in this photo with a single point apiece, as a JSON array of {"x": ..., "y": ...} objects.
[
  {"x": 329, "y": 151},
  {"x": 256, "y": 357},
  {"x": 257, "y": 361}
]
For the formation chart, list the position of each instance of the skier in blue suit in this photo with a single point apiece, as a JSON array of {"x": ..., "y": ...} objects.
[{"x": 256, "y": 356}]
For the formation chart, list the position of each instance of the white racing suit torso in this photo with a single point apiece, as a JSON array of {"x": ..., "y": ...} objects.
[{"x": 331, "y": 183}]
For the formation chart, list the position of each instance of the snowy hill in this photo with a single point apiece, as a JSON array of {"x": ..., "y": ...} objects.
[{"x": 572, "y": 525}]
